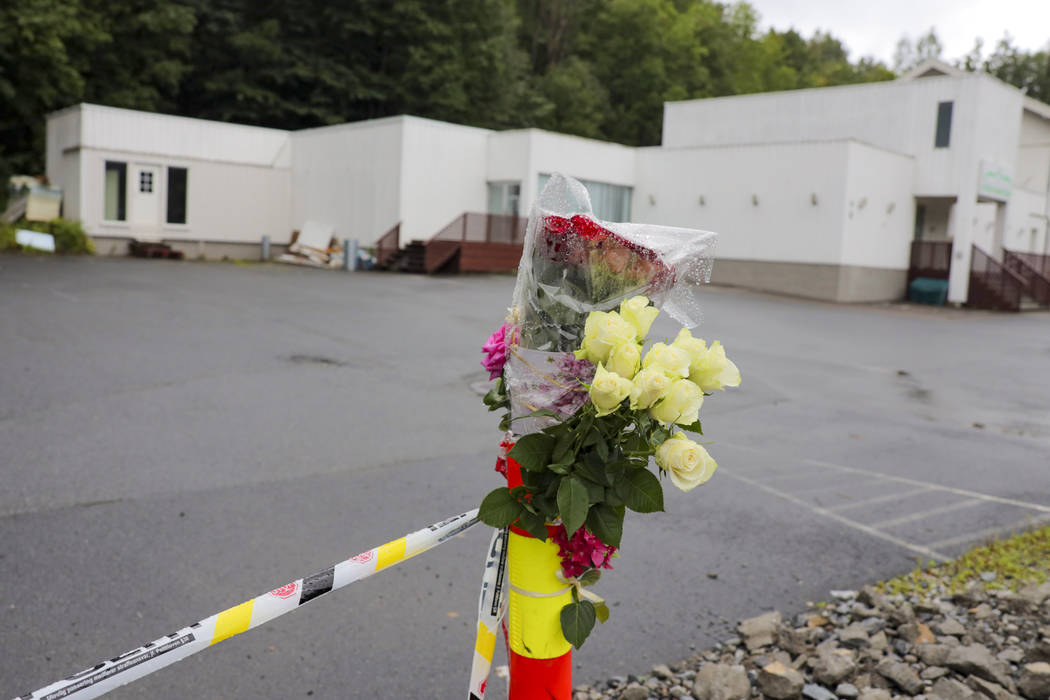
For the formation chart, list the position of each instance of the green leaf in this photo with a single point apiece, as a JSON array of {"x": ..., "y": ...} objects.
[
  {"x": 562, "y": 447},
  {"x": 601, "y": 448},
  {"x": 577, "y": 621},
  {"x": 693, "y": 428},
  {"x": 606, "y": 521},
  {"x": 540, "y": 413},
  {"x": 602, "y": 610},
  {"x": 559, "y": 468},
  {"x": 636, "y": 442},
  {"x": 499, "y": 508},
  {"x": 533, "y": 452},
  {"x": 596, "y": 467},
  {"x": 572, "y": 504},
  {"x": 533, "y": 524},
  {"x": 641, "y": 491},
  {"x": 614, "y": 470},
  {"x": 595, "y": 492},
  {"x": 590, "y": 577}
]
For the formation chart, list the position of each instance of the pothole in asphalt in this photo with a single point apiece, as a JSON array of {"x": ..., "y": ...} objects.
[{"x": 315, "y": 360}]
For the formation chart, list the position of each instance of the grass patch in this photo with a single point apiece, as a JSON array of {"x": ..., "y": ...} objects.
[{"x": 1016, "y": 562}]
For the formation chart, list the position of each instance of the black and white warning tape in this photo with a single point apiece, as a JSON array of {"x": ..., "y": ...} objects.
[{"x": 134, "y": 664}]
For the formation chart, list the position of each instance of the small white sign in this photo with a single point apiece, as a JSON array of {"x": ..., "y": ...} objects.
[
  {"x": 994, "y": 182},
  {"x": 35, "y": 239}
]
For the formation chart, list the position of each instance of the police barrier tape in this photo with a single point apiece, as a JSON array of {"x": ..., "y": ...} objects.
[
  {"x": 492, "y": 604},
  {"x": 134, "y": 664}
]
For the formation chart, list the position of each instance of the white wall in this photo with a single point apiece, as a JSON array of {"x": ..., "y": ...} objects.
[
  {"x": 785, "y": 226},
  {"x": 1033, "y": 154},
  {"x": 348, "y": 176},
  {"x": 879, "y": 216},
  {"x": 225, "y": 202},
  {"x": 1026, "y": 223},
  {"x": 509, "y": 158},
  {"x": 523, "y": 154},
  {"x": 443, "y": 174},
  {"x": 110, "y": 128},
  {"x": 62, "y": 159}
]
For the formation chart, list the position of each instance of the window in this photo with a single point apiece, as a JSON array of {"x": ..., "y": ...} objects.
[
  {"x": 145, "y": 181},
  {"x": 609, "y": 202},
  {"x": 176, "y": 196},
  {"x": 944, "y": 125},
  {"x": 116, "y": 191},
  {"x": 504, "y": 198}
]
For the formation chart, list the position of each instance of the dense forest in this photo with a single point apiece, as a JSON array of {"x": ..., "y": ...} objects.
[{"x": 598, "y": 68}]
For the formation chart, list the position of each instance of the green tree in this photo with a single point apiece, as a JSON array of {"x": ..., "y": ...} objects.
[
  {"x": 909, "y": 54},
  {"x": 1029, "y": 71},
  {"x": 143, "y": 53},
  {"x": 44, "y": 50}
]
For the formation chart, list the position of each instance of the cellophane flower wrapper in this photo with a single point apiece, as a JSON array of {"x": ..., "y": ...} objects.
[{"x": 573, "y": 264}]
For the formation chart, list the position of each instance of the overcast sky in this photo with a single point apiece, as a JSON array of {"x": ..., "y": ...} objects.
[{"x": 872, "y": 27}]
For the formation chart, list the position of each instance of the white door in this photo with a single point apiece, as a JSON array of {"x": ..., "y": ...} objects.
[{"x": 145, "y": 196}]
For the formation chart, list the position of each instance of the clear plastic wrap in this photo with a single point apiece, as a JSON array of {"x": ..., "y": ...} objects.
[{"x": 573, "y": 264}]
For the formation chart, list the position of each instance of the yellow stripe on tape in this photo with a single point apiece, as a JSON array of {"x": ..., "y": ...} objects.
[
  {"x": 232, "y": 621},
  {"x": 486, "y": 642},
  {"x": 391, "y": 553}
]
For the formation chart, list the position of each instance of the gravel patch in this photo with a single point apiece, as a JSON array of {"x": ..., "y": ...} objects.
[{"x": 947, "y": 643}]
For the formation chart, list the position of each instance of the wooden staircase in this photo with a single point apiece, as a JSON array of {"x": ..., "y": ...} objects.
[
  {"x": 471, "y": 242},
  {"x": 1012, "y": 285}
]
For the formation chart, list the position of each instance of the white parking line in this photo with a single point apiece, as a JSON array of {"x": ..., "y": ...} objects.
[
  {"x": 871, "y": 479},
  {"x": 930, "y": 550},
  {"x": 800, "y": 477},
  {"x": 927, "y": 552},
  {"x": 880, "y": 499},
  {"x": 904, "y": 480},
  {"x": 958, "y": 505},
  {"x": 991, "y": 531}
]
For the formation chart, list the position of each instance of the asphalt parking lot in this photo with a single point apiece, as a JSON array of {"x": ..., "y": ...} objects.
[{"x": 178, "y": 437}]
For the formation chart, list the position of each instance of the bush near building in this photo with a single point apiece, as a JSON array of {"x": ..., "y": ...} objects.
[{"x": 69, "y": 236}]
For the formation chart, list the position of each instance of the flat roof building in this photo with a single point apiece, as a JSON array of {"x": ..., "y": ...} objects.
[{"x": 818, "y": 192}]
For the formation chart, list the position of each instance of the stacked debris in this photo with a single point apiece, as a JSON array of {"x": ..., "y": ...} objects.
[{"x": 315, "y": 246}]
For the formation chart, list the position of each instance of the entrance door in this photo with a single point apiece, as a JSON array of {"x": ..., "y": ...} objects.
[{"x": 145, "y": 196}]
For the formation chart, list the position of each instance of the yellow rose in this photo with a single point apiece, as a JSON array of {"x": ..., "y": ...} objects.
[
  {"x": 715, "y": 370},
  {"x": 681, "y": 404},
  {"x": 608, "y": 390},
  {"x": 687, "y": 463},
  {"x": 648, "y": 387},
  {"x": 696, "y": 348},
  {"x": 602, "y": 332},
  {"x": 639, "y": 314},
  {"x": 672, "y": 360},
  {"x": 624, "y": 359}
]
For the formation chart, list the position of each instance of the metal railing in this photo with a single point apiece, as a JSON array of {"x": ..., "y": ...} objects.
[
  {"x": 930, "y": 259},
  {"x": 1036, "y": 282},
  {"x": 472, "y": 227},
  {"x": 993, "y": 286},
  {"x": 388, "y": 245},
  {"x": 1040, "y": 263}
]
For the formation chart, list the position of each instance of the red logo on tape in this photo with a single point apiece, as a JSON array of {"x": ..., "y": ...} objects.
[
  {"x": 286, "y": 591},
  {"x": 363, "y": 558}
]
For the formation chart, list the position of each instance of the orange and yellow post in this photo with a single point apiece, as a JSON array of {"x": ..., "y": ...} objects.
[{"x": 540, "y": 657}]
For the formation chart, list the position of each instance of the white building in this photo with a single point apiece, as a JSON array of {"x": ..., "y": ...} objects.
[{"x": 817, "y": 192}]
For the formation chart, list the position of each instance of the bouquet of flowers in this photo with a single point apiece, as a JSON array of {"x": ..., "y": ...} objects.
[{"x": 586, "y": 403}]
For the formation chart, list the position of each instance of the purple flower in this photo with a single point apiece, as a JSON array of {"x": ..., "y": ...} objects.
[{"x": 495, "y": 349}]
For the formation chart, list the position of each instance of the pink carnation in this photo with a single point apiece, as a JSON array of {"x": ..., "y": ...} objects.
[
  {"x": 584, "y": 551},
  {"x": 495, "y": 349}
]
